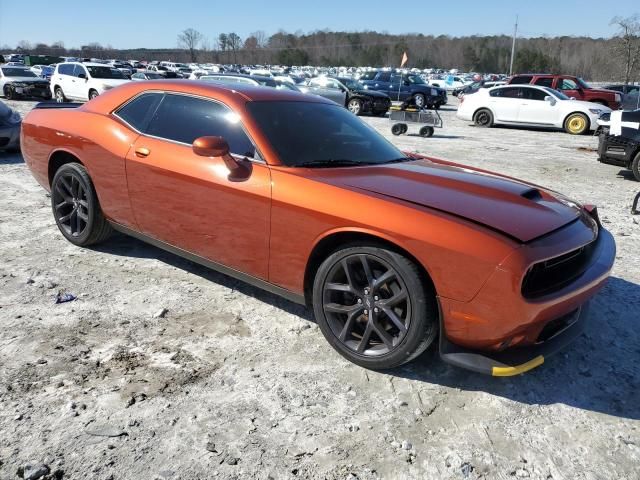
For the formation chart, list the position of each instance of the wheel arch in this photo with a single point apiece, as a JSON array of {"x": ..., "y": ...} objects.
[
  {"x": 332, "y": 241},
  {"x": 59, "y": 158}
]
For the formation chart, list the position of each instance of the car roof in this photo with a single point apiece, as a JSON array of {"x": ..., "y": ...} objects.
[{"x": 231, "y": 94}]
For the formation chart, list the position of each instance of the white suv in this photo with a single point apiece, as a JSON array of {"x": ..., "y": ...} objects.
[{"x": 83, "y": 81}]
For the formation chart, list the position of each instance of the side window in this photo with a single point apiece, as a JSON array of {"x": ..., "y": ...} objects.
[
  {"x": 183, "y": 119},
  {"x": 533, "y": 94},
  {"x": 567, "y": 84},
  {"x": 509, "y": 92},
  {"x": 521, "y": 80},
  {"x": 78, "y": 70},
  {"x": 384, "y": 77},
  {"x": 544, "y": 82},
  {"x": 139, "y": 111},
  {"x": 65, "y": 69}
]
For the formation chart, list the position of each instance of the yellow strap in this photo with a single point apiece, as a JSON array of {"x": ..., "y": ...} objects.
[{"x": 518, "y": 369}]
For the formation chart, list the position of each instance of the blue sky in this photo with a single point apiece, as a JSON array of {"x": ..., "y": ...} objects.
[{"x": 156, "y": 23}]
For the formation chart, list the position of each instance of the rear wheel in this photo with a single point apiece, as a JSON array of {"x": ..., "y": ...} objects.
[
  {"x": 576, "y": 124},
  {"x": 92, "y": 94},
  {"x": 635, "y": 166},
  {"x": 373, "y": 308},
  {"x": 75, "y": 206},
  {"x": 397, "y": 129},
  {"x": 483, "y": 118}
]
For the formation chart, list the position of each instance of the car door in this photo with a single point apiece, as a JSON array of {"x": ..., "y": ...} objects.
[
  {"x": 534, "y": 108},
  {"x": 569, "y": 87},
  {"x": 327, "y": 88},
  {"x": 78, "y": 85},
  {"x": 505, "y": 103},
  {"x": 190, "y": 201}
]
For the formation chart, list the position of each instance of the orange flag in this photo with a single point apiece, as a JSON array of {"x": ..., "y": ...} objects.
[{"x": 405, "y": 59}]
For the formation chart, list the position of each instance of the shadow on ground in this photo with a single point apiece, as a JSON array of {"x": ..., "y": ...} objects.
[
  {"x": 10, "y": 158},
  {"x": 600, "y": 371}
]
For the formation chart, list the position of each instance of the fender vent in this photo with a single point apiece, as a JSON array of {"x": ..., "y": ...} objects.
[{"x": 532, "y": 194}]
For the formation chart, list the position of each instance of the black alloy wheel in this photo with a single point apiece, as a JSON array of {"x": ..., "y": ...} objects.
[
  {"x": 75, "y": 206},
  {"x": 372, "y": 307},
  {"x": 483, "y": 118}
]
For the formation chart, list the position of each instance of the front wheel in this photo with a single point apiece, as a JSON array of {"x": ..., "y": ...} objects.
[
  {"x": 59, "y": 94},
  {"x": 419, "y": 100},
  {"x": 75, "y": 206},
  {"x": 576, "y": 124},
  {"x": 355, "y": 106},
  {"x": 372, "y": 306},
  {"x": 9, "y": 94},
  {"x": 426, "y": 132}
]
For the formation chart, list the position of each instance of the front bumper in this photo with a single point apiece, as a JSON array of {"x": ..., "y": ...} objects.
[
  {"x": 615, "y": 150},
  {"x": 501, "y": 328},
  {"x": 40, "y": 90},
  {"x": 517, "y": 360}
]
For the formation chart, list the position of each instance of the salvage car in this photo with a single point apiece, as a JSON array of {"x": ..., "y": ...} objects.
[
  {"x": 294, "y": 194},
  {"x": 83, "y": 81},
  {"x": 529, "y": 106},
  {"x": 18, "y": 82},
  {"x": 619, "y": 140},
  {"x": 350, "y": 93},
  {"x": 9, "y": 128},
  {"x": 146, "y": 75}
]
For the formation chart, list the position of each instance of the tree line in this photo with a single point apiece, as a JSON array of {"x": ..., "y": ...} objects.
[{"x": 615, "y": 58}]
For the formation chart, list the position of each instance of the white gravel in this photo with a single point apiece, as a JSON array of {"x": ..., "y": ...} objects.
[{"x": 230, "y": 382}]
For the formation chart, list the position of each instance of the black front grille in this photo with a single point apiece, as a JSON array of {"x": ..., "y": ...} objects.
[
  {"x": 554, "y": 274},
  {"x": 552, "y": 328}
]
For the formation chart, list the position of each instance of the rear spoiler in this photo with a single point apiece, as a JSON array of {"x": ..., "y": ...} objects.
[{"x": 57, "y": 105}]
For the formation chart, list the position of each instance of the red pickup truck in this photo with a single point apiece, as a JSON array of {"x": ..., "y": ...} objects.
[{"x": 571, "y": 87}]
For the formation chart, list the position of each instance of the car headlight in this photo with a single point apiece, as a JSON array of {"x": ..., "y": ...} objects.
[{"x": 595, "y": 111}]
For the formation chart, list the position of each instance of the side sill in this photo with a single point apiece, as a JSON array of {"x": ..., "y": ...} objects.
[{"x": 256, "y": 282}]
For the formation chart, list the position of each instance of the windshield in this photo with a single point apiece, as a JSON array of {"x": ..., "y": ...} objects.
[
  {"x": 583, "y": 84},
  {"x": 104, "y": 72},
  {"x": 17, "y": 72},
  {"x": 556, "y": 93},
  {"x": 353, "y": 84},
  {"x": 304, "y": 132}
]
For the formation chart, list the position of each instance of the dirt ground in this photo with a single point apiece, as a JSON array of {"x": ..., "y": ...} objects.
[{"x": 163, "y": 369}]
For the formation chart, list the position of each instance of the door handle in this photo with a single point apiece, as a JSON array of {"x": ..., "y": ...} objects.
[{"x": 142, "y": 152}]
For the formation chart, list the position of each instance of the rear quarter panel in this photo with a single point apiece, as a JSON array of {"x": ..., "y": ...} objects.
[{"x": 99, "y": 142}]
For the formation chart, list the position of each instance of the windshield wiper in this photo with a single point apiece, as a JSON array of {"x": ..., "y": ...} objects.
[
  {"x": 398, "y": 160},
  {"x": 333, "y": 163}
]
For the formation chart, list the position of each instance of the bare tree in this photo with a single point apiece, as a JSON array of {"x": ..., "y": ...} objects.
[
  {"x": 627, "y": 44},
  {"x": 234, "y": 43},
  {"x": 24, "y": 45},
  {"x": 190, "y": 39}
]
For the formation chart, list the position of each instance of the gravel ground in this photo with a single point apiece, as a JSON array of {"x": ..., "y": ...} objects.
[{"x": 163, "y": 369}]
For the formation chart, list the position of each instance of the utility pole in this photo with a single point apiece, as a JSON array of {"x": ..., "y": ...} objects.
[{"x": 513, "y": 47}]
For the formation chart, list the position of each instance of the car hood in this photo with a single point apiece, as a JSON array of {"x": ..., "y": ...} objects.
[
  {"x": 512, "y": 207},
  {"x": 30, "y": 80},
  {"x": 370, "y": 93},
  {"x": 587, "y": 105}
]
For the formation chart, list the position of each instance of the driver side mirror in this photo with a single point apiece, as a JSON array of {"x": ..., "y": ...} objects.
[
  {"x": 82, "y": 75},
  {"x": 550, "y": 99},
  {"x": 219, "y": 148}
]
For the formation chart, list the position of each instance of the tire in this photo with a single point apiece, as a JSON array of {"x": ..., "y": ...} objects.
[
  {"x": 402, "y": 317},
  {"x": 397, "y": 129},
  {"x": 635, "y": 166},
  {"x": 426, "y": 132},
  {"x": 59, "y": 95},
  {"x": 483, "y": 118},
  {"x": 73, "y": 197},
  {"x": 93, "y": 94},
  {"x": 576, "y": 124},
  {"x": 355, "y": 106},
  {"x": 405, "y": 127},
  {"x": 419, "y": 100},
  {"x": 9, "y": 93}
]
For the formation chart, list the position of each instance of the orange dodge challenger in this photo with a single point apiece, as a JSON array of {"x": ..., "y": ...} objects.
[{"x": 295, "y": 194}]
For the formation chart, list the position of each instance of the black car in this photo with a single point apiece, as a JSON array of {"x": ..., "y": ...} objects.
[
  {"x": 9, "y": 128},
  {"x": 619, "y": 140},
  {"x": 403, "y": 87},
  {"x": 18, "y": 82},
  {"x": 349, "y": 93}
]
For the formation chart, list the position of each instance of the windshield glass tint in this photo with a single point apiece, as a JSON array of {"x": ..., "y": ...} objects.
[
  {"x": 302, "y": 132},
  {"x": 103, "y": 72},
  {"x": 353, "y": 84},
  {"x": 17, "y": 72}
]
